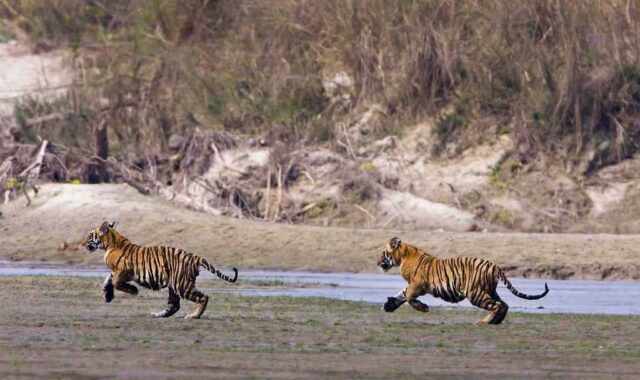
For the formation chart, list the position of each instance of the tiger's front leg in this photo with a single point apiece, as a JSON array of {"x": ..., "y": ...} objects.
[
  {"x": 412, "y": 295},
  {"x": 107, "y": 288},
  {"x": 393, "y": 303},
  {"x": 120, "y": 283}
]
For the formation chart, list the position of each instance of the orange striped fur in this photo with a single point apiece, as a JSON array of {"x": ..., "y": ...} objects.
[
  {"x": 151, "y": 267},
  {"x": 452, "y": 280}
]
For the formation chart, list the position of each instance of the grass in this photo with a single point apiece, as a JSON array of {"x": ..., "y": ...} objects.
[
  {"x": 60, "y": 327},
  {"x": 6, "y": 34}
]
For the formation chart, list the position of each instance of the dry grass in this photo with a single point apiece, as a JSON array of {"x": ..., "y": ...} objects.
[{"x": 562, "y": 76}]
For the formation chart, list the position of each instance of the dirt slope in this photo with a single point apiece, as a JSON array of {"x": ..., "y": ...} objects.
[{"x": 52, "y": 227}]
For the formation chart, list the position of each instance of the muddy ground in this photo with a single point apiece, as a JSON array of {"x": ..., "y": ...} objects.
[
  {"x": 60, "y": 327},
  {"x": 60, "y": 216}
]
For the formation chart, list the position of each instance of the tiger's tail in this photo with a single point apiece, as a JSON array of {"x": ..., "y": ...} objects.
[
  {"x": 205, "y": 264},
  {"x": 515, "y": 292}
]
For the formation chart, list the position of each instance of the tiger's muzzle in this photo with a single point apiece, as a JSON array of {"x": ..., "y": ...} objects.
[
  {"x": 386, "y": 262},
  {"x": 91, "y": 246},
  {"x": 91, "y": 243}
]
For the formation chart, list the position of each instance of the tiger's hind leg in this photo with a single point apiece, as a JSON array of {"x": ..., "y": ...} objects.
[
  {"x": 496, "y": 307},
  {"x": 501, "y": 313},
  {"x": 173, "y": 305},
  {"x": 201, "y": 300}
]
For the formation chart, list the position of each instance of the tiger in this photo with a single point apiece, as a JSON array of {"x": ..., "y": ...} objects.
[
  {"x": 151, "y": 267},
  {"x": 451, "y": 279}
]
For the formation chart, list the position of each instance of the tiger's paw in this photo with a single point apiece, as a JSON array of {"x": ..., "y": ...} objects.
[
  {"x": 420, "y": 306},
  {"x": 108, "y": 293},
  {"x": 166, "y": 313},
  {"x": 392, "y": 304}
]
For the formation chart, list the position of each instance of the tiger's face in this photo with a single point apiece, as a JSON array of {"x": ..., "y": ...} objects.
[
  {"x": 93, "y": 240},
  {"x": 390, "y": 258}
]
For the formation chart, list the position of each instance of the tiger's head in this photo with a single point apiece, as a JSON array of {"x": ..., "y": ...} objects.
[
  {"x": 390, "y": 255},
  {"x": 94, "y": 238}
]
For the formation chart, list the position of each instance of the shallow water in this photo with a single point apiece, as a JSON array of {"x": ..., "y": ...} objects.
[{"x": 571, "y": 296}]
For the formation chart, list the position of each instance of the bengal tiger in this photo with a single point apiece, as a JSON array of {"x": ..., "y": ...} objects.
[
  {"x": 452, "y": 279},
  {"x": 151, "y": 267}
]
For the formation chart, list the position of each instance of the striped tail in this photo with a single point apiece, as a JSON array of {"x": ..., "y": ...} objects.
[
  {"x": 212, "y": 269},
  {"x": 515, "y": 292}
]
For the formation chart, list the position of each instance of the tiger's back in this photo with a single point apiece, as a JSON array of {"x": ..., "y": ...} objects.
[{"x": 154, "y": 267}]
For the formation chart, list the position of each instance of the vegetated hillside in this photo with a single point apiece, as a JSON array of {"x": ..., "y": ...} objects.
[{"x": 505, "y": 110}]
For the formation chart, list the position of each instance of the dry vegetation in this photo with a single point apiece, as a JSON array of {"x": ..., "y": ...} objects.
[
  {"x": 563, "y": 76},
  {"x": 169, "y": 84}
]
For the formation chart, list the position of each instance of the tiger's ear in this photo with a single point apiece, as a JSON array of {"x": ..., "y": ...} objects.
[
  {"x": 104, "y": 227},
  {"x": 395, "y": 242},
  {"x": 112, "y": 224}
]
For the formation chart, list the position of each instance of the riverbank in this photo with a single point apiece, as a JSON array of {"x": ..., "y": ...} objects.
[
  {"x": 566, "y": 296},
  {"x": 51, "y": 229}
]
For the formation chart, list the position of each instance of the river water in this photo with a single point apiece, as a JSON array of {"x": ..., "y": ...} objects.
[{"x": 570, "y": 296}]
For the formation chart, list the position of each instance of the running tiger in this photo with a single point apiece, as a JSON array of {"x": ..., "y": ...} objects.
[
  {"x": 152, "y": 267},
  {"x": 450, "y": 279}
]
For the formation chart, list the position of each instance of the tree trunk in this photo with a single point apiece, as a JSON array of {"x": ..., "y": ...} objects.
[{"x": 98, "y": 172}]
